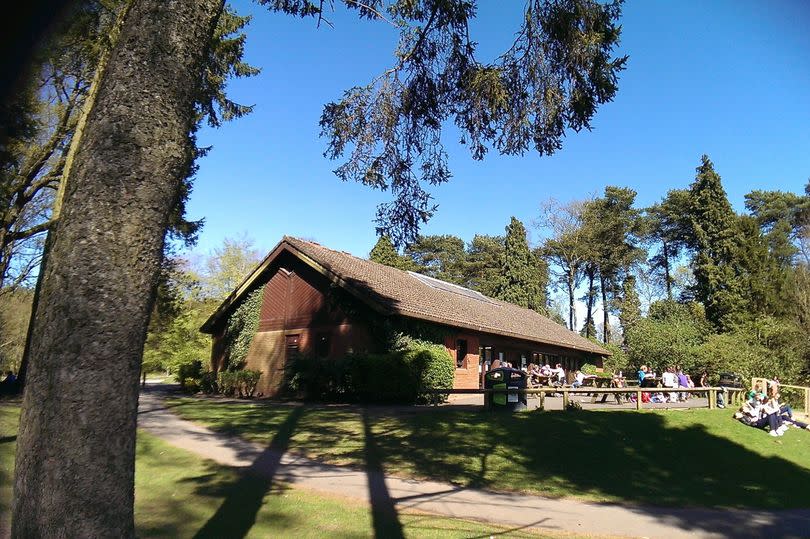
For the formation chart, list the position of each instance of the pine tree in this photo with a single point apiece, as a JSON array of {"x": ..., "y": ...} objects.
[
  {"x": 668, "y": 225},
  {"x": 714, "y": 238},
  {"x": 522, "y": 280},
  {"x": 613, "y": 230},
  {"x": 384, "y": 252},
  {"x": 630, "y": 305},
  {"x": 440, "y": 256},
  {"x": 538, "y": 298},
  {"x": 482, "y": 269}
]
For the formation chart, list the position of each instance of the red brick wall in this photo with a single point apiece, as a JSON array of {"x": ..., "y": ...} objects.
[{"x": 466, "y": 376}]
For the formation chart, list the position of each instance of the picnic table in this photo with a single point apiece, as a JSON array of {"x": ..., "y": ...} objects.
[
  {"x": 605, "y": 382},
  {"x": 542, "y": 380},
  {"x": 596, "y": 381},
  {"x": 652, "y": 381}
]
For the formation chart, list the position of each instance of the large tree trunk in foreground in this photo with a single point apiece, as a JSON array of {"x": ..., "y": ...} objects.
[{"x": 76, "y": 446}]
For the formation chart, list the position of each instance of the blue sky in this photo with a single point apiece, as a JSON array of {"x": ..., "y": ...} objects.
[{"x": 727, "y": 78}]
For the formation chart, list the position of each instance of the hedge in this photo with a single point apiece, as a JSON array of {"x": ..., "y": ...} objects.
[{"x": 394, "y": 377}]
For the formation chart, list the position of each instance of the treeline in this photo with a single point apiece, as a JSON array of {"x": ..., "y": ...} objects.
[{"x": 723, "y": 290}]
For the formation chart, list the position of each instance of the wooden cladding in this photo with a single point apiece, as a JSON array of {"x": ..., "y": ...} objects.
[{"x": 294, "y": 298}]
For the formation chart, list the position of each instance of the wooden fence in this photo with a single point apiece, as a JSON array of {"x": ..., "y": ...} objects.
[{"x": 732, "y": 396}]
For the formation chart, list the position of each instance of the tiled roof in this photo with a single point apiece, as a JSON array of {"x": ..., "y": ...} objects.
[{"x": 412, "y": 295}]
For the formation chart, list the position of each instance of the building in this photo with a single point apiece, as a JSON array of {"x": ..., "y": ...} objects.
[{"x": 329, "y": 303}]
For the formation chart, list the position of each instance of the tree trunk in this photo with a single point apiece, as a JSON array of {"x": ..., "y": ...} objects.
[
  {"x": 570, "y": 283},
  {"x": 605, "y": 316},
  {"x": 76, "y": 445},
  {"x": 591, "y": 272}
]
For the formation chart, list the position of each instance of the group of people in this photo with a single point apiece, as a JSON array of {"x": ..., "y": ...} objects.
[
  {"x": 762, "y": 409},
  {"x": 673, "y": 377},
  {"x": 538, "y": 374}
]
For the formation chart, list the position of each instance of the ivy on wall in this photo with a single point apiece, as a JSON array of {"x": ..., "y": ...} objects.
[{"x": 240, "y": 328}]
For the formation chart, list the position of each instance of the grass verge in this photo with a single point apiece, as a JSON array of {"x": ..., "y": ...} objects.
[
  {"x": 178, "y": 494},
  {"x": 671, "y": 458}
]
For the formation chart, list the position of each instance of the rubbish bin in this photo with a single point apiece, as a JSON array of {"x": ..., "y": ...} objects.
[{"x": 505, "y": 379}]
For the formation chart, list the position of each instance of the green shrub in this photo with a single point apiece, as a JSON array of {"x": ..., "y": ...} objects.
[
  {"x": 395, "y": 377},
  {"x": 208, "y": 383},
  {"x": 618, "y": 360},
  {"x": 434, "y": 369},
  {"x": 248, "y": 380},
  {"x": 319, "y": 378},
  {"x": 382, "y": 378},
  {"x": 191, "y": 385},
  {"x": 589, "y": 368},
  {"x": 240, "y": 383},
  {"x": 192, "y": 370}
]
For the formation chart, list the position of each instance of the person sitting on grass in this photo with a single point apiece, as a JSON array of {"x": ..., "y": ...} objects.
[
  {"x": 786, "y": 413},
  {"x": 754, "y": 414}
]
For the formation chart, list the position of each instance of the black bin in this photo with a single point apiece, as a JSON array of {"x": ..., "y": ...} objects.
[
  {"x": 505, "y": 379},
  {"x": 730, "y": 379}
]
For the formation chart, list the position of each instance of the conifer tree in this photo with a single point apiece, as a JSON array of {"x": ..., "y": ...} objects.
[
  {"x": 439, "y": 256},
  {"x": 630, "y": 305},
  {"x": 668, "y": 225},
  {"x": 614, "y": 227},
  {"x": 482, "y": 270},
  {"x": 714, "y": 234},
  {"x": 521, "y": 282},
  {"x": 384, "y": 252}
]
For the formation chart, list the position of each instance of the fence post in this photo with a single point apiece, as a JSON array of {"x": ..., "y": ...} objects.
[
  {"x": 806, "y": 402},
  {"x": 542, "y": 404},
  {"x": 638, "y": 399},
  {"x": 565, "y": 399},
  {"x": 712, "y": 398}
]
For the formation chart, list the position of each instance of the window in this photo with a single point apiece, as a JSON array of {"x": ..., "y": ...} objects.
[
  {"x": 461, "y": 353},
  {"x": 293, "y": 342},
  {"x": 322, "y": 343}
]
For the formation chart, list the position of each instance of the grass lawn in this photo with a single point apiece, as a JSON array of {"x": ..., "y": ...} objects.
[
  {"x": 178, "y": 494},
  {"x": 673, "y": 458}
]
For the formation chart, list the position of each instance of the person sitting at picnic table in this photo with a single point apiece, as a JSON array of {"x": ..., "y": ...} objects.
[
  {"x": 683, "y": 381},
  {"x": 668, "y": 379},
  {"x": 580, "y": 377},
  {"x": 642, "y": 373},
  {"x": 559, "y": 373}
]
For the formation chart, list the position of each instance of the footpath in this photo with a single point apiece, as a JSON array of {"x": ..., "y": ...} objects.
[{"x": 519, "y": 511}]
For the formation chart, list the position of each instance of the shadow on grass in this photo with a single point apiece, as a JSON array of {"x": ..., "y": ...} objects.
[
  {"x": 642, "y": 459},
  {"x": 384, "y": 516},
  {"x": 645, "y": 461},
  {"x": 237, "y": 514}
]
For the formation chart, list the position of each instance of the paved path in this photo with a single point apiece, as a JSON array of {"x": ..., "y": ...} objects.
[{"x": 516, "y": 510}]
